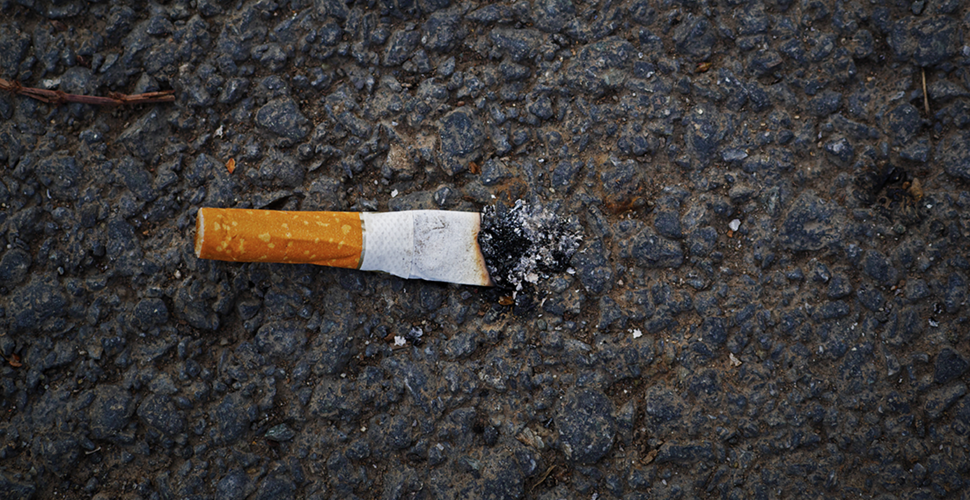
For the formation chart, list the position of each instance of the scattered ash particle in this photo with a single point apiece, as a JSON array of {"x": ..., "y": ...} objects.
[{"x": 525, "y": 244}]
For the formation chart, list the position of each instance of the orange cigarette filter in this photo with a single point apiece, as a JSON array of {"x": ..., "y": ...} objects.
[{"x": 332, "y": 239}]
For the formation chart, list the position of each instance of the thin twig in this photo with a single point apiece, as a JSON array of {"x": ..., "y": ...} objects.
[
  {"x": 543, "y": 477},
  {"x": 58, "y": 97},
  {"x": 926, "y": 99}
]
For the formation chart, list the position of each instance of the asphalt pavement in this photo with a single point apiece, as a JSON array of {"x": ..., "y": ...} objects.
[{"x": 769, "y": 300}]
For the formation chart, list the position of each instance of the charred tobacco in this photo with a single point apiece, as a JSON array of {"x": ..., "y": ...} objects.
[{"x": 525, "y": 243}]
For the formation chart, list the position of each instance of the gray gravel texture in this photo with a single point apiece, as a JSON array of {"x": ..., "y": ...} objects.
[{"x": 770, "y": 300}]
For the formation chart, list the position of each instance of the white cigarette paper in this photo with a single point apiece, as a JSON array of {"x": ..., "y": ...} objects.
[{"x": 434, "y": 245}]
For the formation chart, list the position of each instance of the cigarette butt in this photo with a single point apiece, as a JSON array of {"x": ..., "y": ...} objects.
[
  {"x": 434, "y": 245},
  {"x": 332, "y": 239}
]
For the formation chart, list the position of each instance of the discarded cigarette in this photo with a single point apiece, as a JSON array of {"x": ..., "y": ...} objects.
[{"x": 434, "y": 245}]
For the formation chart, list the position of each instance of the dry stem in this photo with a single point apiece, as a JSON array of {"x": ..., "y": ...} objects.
[
  {"x": 926, "y": 99},
  {"x": 58, "y": 97}
]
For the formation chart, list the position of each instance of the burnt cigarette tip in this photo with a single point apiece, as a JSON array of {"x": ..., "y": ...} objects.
[{"x": 526, "y": 243}]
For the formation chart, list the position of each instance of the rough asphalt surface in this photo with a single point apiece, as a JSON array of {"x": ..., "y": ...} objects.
[{"x": 770, "y": 300}]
